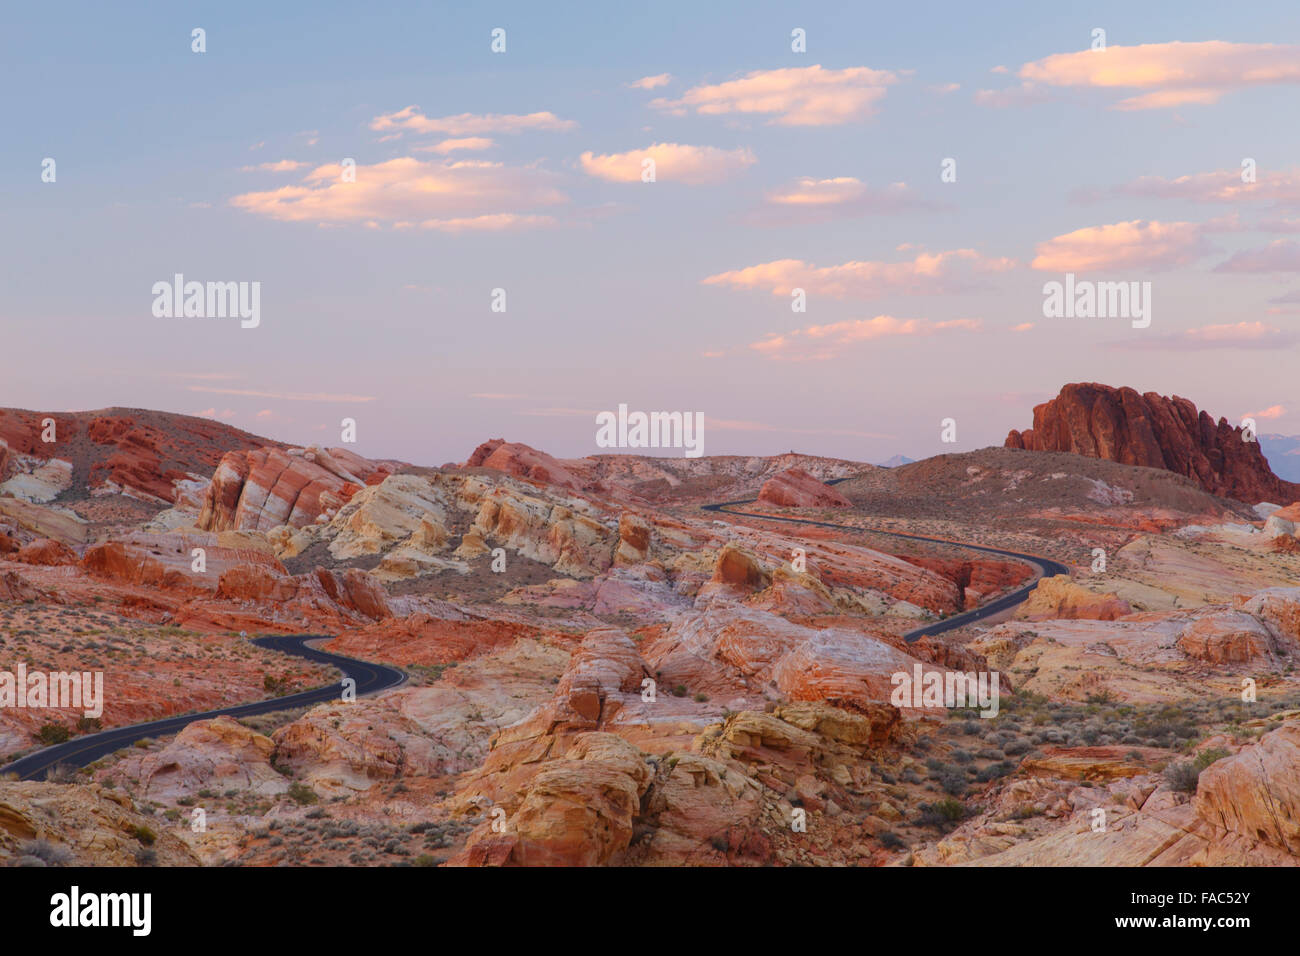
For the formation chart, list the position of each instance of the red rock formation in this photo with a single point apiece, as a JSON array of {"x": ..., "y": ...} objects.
[
  {"x": 522, "y": 462},
  {"x": 1156, "y": 432},
  {"x": 259, "y": 490},
  {"x": 795, "y": 488},
  {"x": 139, "y": 452},
  {"x": 47, "y": 552}
]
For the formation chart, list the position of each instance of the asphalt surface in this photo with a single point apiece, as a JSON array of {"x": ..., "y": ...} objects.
[
  {"x": 80, "y": 751},
  {"x": 1046, "y": 567}
]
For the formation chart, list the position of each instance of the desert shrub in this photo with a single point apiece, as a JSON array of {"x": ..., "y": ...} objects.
[
  {"x": 51, "y": 854},
  {"x": 1182, "y": 776},
  {"x": 995, "y": 770},
  {"x": 1209, "y": 756},
  {"x": 941, "y": 812},
  {"x": 892, "y": 841},
  {"x": 52, "y": 734},
  {"x": 302, "y": 794}
]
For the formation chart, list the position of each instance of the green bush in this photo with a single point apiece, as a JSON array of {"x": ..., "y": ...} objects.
[
  {"x": 302, "y": 794},
  {"x": 1183, "y": 776},
  {"x": 52, "y": 734}
]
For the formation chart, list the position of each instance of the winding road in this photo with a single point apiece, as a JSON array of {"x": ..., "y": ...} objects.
[
  {"x": 80, "y": 751},
  {"x": 371, "y": 678},
  {"x": 1046, "y": 566}
]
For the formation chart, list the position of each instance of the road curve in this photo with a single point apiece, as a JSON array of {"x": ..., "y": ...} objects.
[
  {"x": 80, "y": 751},
  {"x": 1046, "y": 566}
]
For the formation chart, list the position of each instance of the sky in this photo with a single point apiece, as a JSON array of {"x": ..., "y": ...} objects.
[{"x": 1115, "y": 157}]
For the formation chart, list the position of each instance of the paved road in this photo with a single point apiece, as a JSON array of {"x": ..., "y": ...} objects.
[
  {"x": 1046, "y": 567},
  {"x": 80, "y": 751}
]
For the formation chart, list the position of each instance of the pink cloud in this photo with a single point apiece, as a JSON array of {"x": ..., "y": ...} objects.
[
  {"x": 673, "y": 162},
  {"x": 926, "y": 274},
  {"x": 281, "y": 166},
  {"x": 652, "y": 82},
  {"x": 452, "y": 145},
  {"x": 821, "y": 200},
  {"x": 794, "y": 96},
  {"x": 407, "y": 190},
  {"x": 819, "y": 342},
  {"x": 1221, "y": 186},
  {"x": 1133, "y": 245},
  {"x": 411, "y": 120},
  {"x": 1273, "y": 411},
  {"x": 1172, "y": 74}
]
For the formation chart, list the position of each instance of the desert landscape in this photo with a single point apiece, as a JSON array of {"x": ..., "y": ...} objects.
[{"x": 635, "y": 661}]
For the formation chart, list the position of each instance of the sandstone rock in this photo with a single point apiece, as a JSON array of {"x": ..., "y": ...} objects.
[
  {"x": 576, "y": 811},
  {"x": 633, "y": 539},
  {"x": 217, "y": 754},
  {"x": 1058, "y": 597},
  {"x": 93, "y": 825},
  {"x": 795, "y": 488},
  {"x": 1155, "y": 432},
  {"x": 739, "y": 569},
  {"x": 1227, "y": 637},
  {"x": 341, "y": 747},
  {"x": 262, "y": 489},
  {"x": 523, "y": 462},
  {"x": 45, "y": 551},
  {"x": 1256, "y": 793}
]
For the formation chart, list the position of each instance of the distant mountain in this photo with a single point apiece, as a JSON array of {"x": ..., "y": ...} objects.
[
  {"x": 1283, "y": 454},
  {"x": 896, "y": 461}
]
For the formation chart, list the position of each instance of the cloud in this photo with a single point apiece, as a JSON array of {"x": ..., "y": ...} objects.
[
  {"x": 1237, "y": 335},
  {"x": 674, "y": 162},
  {"x": 803, "y": 96},
  {"x": 452, "y": 145},
  {"x": 451, "y": 195},
  {"x": 225, "y": 413},
  {"x": 411, "y": 120},
  {"x": 820, "y": 200},
  {"x": 1221, "y": 186},
  {"x": 821, "y": 342},
  {"x": 1280, "y": 255},
  {"x": 280, "y": 166},
  {"x": 926, "y": 274},
  {"x": 1170, "y": 74},
  {"x": 284, "y": 396},
  {"x": 1133, "y": 245},
  {"x": 498, "y": 222},
  {"x": 1273, "y": 411},
  {"x": 944, "y": 88},
  {"x": 652, "y": 82},
  {"x": 1022, "y": 327}
]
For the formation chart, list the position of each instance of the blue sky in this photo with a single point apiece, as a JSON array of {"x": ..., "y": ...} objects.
[{"x": 370, "y": 314}]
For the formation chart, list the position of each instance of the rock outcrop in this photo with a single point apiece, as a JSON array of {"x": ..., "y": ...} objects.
[
  {"x": 263, "y": 489},
  {"x": 1155, "y": 432},
  {"x": 795, "y": 488},
  {"x": 1059, "y": 598}
]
